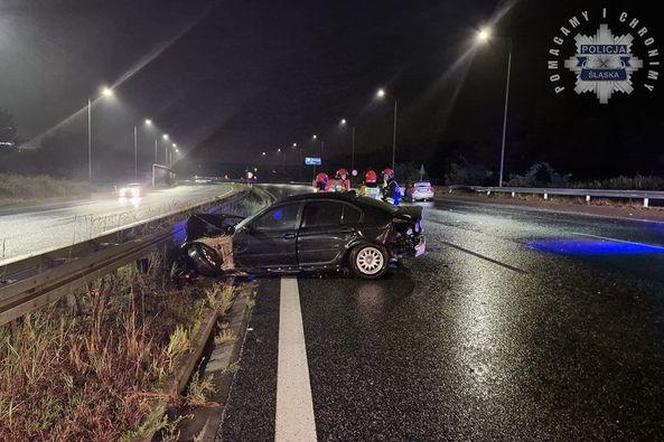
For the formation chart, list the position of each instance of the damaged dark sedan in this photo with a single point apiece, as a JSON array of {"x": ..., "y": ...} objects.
[{"x": 308, "y": 232}]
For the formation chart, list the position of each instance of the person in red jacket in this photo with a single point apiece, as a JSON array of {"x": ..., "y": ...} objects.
[
  {"x": 342, "y": 174},
  {"x": 391, "y": 189},
  {"x": 320, "y": 183}
]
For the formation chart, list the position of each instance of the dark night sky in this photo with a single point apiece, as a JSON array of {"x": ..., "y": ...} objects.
[{"x": 241, "y": 77}]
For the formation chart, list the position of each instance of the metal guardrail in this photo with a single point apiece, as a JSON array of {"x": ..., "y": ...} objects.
[
  {"x": 33, "y": 292},
  {"x": 588, "y": 194}
]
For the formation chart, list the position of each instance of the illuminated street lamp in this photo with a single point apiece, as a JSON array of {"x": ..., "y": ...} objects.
[
  {"x": 106, "y": 92},
  {"x": 483, "y": 35},
  {"x": 381, "y": 94},
  {"x": 148, "y": 122},
  {"x": 166, "y": 137}
]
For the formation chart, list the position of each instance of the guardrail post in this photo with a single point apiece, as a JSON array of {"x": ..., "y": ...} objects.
[
  {"x": 546, "y": 196},
  {"x": 588, "y": 198},
  {"x": 513, "y": 194},
  {"x": 488, "y": 193},
  {"x": 646, "y": 202},
  {"x": 4, "y": 245}
]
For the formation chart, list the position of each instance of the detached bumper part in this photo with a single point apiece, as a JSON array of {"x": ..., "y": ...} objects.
[{"x": 421, "y": 247}]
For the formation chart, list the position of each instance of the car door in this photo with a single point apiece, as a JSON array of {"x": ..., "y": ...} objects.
[
  {"x": 269, "y": 241},
  {"x": 327, "y": 227}
]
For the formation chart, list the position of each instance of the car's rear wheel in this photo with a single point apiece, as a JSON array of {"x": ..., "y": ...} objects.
[{"x": 368, "y": 261}]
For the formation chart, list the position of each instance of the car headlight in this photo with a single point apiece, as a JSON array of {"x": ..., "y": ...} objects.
[
  {"x": 135, "y": 192},
  {"x": 122, "y": 192}
]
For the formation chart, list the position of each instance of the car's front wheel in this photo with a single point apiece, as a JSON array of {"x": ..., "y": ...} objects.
[{"x": 368, "y": 261}]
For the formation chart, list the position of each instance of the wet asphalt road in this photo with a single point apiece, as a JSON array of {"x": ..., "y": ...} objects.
[
  {"x": 517, "y": 324},
  {"x": 37, "y": 229}
]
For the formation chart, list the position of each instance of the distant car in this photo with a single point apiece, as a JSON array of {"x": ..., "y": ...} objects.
[
  {"x": 421, "y": 191},
  {"x": 131, "y": 190},
  {"x": 309, "y": 232}
]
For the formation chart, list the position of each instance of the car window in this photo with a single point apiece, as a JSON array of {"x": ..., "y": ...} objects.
[
  {"x": 352, "y": 215},
  {"x": 278, "y": 218},
  {"x": 322, "y": 214}
]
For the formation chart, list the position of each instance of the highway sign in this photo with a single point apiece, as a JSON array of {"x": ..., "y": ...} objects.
[{"x": 312, "y": 161}]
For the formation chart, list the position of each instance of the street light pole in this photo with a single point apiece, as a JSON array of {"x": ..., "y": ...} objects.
[
  {"x": 352, "y": 150},
  {"x": 156, "y": 146},
  {"x": 381, "y": 94},
  {"x": 507, "y": 96},
  {"x": 105, "y": 93},
  {"x": 135, "y": 152},
  {"x": 483, "y": 36},
  {"x": 394, "y": 135},
  {"x": 89, "y": 140}
]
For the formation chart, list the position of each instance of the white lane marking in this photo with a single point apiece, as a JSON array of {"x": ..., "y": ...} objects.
[{"x": 295, "y": 410}]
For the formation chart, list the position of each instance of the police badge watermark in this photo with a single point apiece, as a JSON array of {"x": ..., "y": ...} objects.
[{"x": 604, "y": 52}]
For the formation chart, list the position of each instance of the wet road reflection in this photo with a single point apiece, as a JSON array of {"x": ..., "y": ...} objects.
[{"x": 515, "y": 325}]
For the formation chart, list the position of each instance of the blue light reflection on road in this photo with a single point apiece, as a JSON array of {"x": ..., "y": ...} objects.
[{"x": 576, "y": 247}]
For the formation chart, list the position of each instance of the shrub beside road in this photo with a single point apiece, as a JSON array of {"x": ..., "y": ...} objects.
[{"x": 97, "y": 365}]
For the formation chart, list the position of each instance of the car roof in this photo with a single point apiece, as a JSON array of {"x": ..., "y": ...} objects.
[
  {"x": 349, "y": 197},
  {"x": 321, "y": 196}
]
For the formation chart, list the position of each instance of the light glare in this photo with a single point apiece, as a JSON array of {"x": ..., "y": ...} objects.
[{"x": 483, "y": 35}]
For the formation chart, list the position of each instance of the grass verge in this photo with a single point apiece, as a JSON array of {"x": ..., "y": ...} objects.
[{"x": 95, "y": 367}]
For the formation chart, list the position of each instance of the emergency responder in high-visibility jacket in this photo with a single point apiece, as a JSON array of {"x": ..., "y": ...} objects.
[
  {"x": 391, "y": 189},
  {"x": 370, "y": 187},
  {"x": 320, "y": 183},
  {"x": 341, "y": 183}
]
